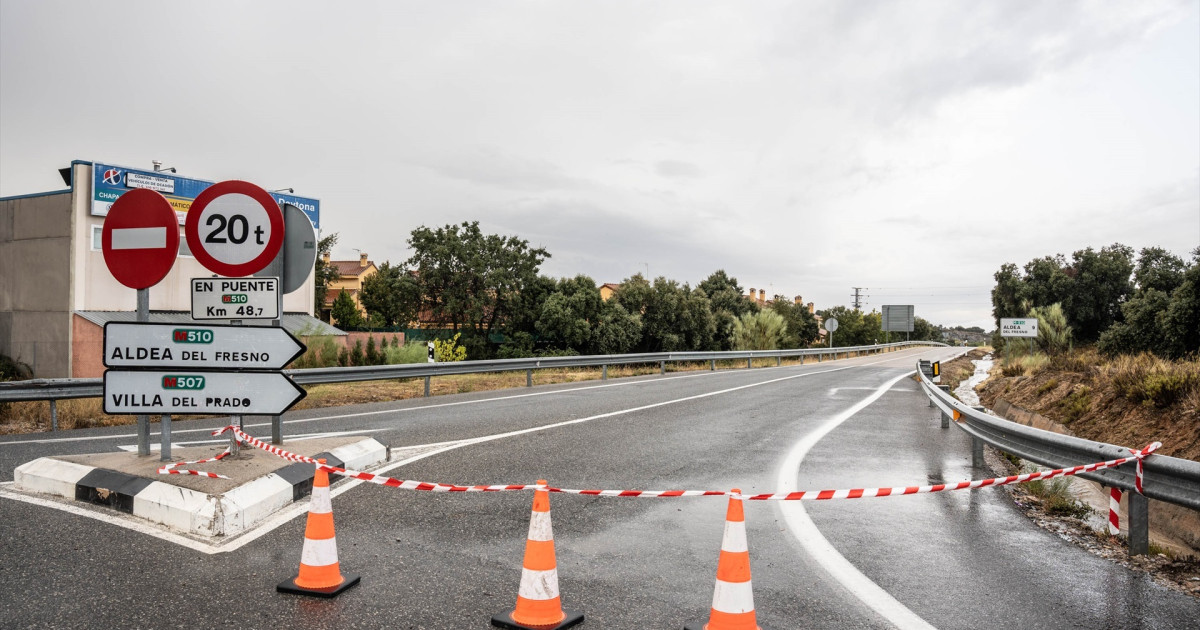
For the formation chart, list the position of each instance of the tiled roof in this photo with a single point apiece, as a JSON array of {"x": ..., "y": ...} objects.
[
  {"x": 332, "y": 294},
  {"x": 350, "y": 267}
]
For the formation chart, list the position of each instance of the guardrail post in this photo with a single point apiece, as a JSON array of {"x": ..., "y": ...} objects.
[
  {"x": 945, "y": 416},
  {"x": 427, "y": 387},
  {"x": 235, "y": 447},
  {"x": 778, "y": 361},
  {"x": 712, "y": 365},
  {"x": 1139, "y": 524},
  {"x": 164, "y": 431},
  {"x": 53, "y": 415},
  {"x": 604, "y": 372},
  {"x": 662, "y": 367},
  {"x": 976, "y": 452},
  {"x": 528, "y": 378}
]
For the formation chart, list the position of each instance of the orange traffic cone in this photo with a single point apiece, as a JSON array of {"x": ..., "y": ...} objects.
[
  {"x": 538, "y": 605},
  {"x": 733, "y": 600},
  {"x": 319, "y": 573}
]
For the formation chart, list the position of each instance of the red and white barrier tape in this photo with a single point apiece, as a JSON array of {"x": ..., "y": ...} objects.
[
  {"x": 807, "y": 495},
  {"x": 173, "y": 469}
]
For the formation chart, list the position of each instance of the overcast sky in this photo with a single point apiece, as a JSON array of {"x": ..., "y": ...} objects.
[{"x": 805, "y": 147}]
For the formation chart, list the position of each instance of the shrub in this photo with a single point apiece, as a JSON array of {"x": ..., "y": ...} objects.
[
  {"x": 1076, "y": 404},
  {"x": 1054, "y": 334},
  {"x": 448, "y": 350},
  {"x": 1047, "y": 386},
  {"x": 408, "y": 353},
  {"x": 357, "y": 357},
  {"x": 1149, "y": 380},
  {"x": 1016, "y": 365}
]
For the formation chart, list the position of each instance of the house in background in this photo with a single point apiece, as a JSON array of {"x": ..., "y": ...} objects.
[
  {"x": 607, "y": 290},
  {"x": 351, "y": 274}
]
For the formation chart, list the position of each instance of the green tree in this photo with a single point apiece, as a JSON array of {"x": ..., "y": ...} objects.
[
  {"x": 800, "y": 325},
  {"x": 728, "y": 302},
  {"x": 1102, "y": 281},
  {"x": 1159, "y": 269},
  {"x": 1007, "y": 294},
  {"x": 1141, "y": 328},
  {"x": 1180, "y": 325},
  {"x": 392, "y": 294},
  {"x": 617, "y": 331},
  {"x": 469, "y": 279},
  {"x": 323, "y": 274},
  {"x": 345, "y": 312},
  {"x": 673, "y": 317},
  {"x": 1046, "y": 281},
  {"x": 569, "y": 312},
  {"x": 925, "y": 331},
  {"x": 759, "y": 331}
]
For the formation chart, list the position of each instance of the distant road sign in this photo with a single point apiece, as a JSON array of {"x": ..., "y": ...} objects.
[
  {"x": 831, "y": 324},
  {"x": 235, "y": 298},
  {"x": 140, "y": 238},
  {"x": 180, "y": 391},
  {"x": 898, "y": 318},
  {"x": 299, "y": 248},
  {"x": 193, "y": 346},
  {"x": 1014, "y": 327},
  {"x": 234, "y": 228}
]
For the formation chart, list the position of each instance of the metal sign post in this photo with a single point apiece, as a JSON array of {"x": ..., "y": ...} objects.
[{"x": 143, "y": 421}]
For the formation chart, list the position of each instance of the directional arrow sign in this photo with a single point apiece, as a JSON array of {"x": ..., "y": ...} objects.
[
  {"x": 130, "y": 345},
  {"x": 179, "y": 391}
]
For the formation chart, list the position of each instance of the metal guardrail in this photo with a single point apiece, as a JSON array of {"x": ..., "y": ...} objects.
[
  {"x": 1167, "y": 479},
  {"x": 65, "y": 388}
]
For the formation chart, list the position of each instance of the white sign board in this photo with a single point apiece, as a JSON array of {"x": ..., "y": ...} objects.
[
  {"x": 235, "y": 298},
  {"x": 1014, "y": 327},
  {"x": 174, "y": 392},
  {"x": 191, "y": 346}
]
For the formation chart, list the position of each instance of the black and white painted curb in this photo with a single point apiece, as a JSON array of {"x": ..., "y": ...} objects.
[{"x": 185, "y": 510}]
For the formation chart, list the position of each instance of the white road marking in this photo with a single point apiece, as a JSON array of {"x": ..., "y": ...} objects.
[
  {"x": 815, "y": 543},
  {"x": 125, "y": 436},
  {"x": 155, "y": 446},
  {"x": 301, "y": 507}
]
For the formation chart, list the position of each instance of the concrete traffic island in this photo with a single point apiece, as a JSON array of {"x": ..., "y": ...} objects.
[{"x": 259, "y": 483}]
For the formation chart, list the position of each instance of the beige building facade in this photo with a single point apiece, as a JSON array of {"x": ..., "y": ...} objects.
[{"x": 55, "y": 285}]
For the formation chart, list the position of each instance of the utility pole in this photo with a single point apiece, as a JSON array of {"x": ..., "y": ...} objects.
[{"x": 858, "y": 297}]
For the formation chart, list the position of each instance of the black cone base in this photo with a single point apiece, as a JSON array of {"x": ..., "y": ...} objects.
[
  {"x": 289, "y": 586},
  {"x": 505, "y": 620}
]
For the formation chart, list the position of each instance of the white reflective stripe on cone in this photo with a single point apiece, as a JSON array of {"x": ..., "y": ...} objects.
[
  {"x": 733, "y": 597},
  {"x": 319, "y": 553},
  {"x": 735, "y": 537},
  {"x": 539, "y": 527},
  {"x": 539, "y": 584},
  {"x": 321, "y": 502}
]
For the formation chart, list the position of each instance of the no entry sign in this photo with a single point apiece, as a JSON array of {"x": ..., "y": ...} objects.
[
  {"x": 140, "y": 238},
  {"x": 234, "y": 228}
]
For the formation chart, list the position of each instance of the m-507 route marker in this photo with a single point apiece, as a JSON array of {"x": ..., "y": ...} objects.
[
  {"x": 193, "y": 346},
  {"x": 182, "y": 391}
]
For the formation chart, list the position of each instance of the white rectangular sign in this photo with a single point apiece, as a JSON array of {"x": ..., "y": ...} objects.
[
  {"x": 174, "y": 392},
  {"x": 235, "y": 298},
  {"x": 1018, "y": 327},
  {"x": 198, "y": 347}
]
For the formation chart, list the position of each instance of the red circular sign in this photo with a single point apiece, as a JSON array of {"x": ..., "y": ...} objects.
[
  {"x": 234, "y": 228},
  {"x": 140, "y": 238}
]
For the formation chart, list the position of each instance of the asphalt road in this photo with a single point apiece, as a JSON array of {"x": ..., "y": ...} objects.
[{"x": 948, "y": 560}]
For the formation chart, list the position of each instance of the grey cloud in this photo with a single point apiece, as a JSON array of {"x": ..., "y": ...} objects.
[{"x": 676, "y": 168}]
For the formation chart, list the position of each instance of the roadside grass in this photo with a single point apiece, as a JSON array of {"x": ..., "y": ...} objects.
[
  {"x": 1154, "y": 382},
  {"x": 1055, "y": 495}
]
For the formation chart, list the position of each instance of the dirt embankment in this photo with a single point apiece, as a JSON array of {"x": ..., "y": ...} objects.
[{"x": 1085, "y": 400}]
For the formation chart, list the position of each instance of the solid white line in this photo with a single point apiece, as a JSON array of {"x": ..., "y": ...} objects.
[
  {"x": 298, "y": 508},
  {"x": 155, "y": 446},
  {"x": 125, "y": 436},
  {"x": 816, "y": 544}
]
